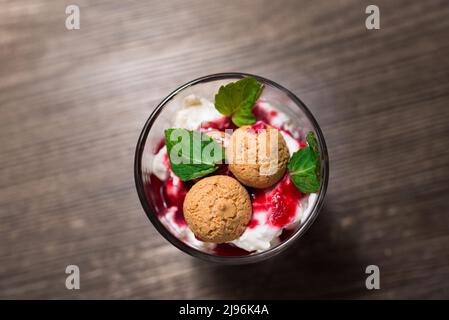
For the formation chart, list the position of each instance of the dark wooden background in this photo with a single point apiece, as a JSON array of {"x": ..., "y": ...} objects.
[{"x": 74, "y": 102}]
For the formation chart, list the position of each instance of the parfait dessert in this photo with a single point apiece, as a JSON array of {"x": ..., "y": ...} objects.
[{"x": 233, "y": 176}]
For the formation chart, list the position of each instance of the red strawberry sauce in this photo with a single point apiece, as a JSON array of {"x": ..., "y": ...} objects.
[
  {"x": 280, "y": 203},
  {"x": 220, "y": 124},
  {"x": 259, "y": 125}
]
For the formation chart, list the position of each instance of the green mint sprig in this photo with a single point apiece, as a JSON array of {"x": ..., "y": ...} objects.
[
  {"x": 304, "y": 166},
  {"x": 236, "y": 100},
  {"x": 192, "y": 154}
]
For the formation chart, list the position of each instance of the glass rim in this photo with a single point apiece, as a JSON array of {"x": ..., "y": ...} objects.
[{"x": 150, "y": 211}]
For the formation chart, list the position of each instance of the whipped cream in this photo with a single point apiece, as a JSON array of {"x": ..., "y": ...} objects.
[
  {"x": 258, "y": 238},
  {"x": 183, "y": 232},
  {"x": 159, "y": 168},
  {"x": 194, "y": 112}
]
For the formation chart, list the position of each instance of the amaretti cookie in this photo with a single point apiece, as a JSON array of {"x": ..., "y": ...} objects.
[
  {"x": 217, "y": 209},
  {"x": 257, "y": 155}
]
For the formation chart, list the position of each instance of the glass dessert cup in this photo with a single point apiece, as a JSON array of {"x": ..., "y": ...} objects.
[{"x": 152, "y": 137}]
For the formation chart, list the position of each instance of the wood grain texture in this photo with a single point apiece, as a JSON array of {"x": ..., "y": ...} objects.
[{"x": 73, "y": 103}]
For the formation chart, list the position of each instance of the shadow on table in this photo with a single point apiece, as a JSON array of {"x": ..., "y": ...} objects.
[{"x": 322, "y": 264}]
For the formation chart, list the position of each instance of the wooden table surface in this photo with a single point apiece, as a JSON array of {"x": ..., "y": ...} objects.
[{"x": 73, "y": 104}]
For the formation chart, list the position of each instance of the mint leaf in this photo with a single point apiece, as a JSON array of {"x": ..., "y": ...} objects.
[
  {"x": 236, "y": 100},
  {"x": 313, "y": 143},
  {"x": 304, "y": 166},
  {"x": 192, "y": 154}
]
